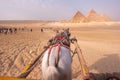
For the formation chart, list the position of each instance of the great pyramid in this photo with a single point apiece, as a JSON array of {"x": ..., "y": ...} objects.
[
  {"x": 78, "y": 17},
  {"x": 93, "y": 16}
]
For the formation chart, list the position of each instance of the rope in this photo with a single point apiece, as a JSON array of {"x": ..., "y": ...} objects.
[{"x": 85, "y": 71}]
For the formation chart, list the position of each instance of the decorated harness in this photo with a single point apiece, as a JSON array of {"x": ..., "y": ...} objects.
[{"x": 61, "y": 39}]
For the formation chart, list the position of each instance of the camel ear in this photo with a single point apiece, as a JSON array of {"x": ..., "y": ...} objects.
[{"x": 68, "y": 29}]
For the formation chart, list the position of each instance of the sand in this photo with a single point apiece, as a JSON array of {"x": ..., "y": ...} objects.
[{"x": 100, "y": 44}]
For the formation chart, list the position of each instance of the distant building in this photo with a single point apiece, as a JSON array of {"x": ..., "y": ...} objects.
[{"x": 63, "y": 21}]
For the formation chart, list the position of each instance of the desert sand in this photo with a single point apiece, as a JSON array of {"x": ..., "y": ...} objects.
[{"x": 99, "y": 41}]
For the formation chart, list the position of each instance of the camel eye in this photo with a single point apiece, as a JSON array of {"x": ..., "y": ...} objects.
[{"x": 113, "y": 78}]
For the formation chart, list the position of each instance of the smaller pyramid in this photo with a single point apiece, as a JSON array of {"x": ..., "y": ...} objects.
[
  {"x": 78, "y": 17},
  {"x": 105, "y": 17},
  {"x": 63, "y": 21}
]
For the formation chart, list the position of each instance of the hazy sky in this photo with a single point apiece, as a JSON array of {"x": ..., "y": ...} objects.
[{"x": 55, "y": 9}]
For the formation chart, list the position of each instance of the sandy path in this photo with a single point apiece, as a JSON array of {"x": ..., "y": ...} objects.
[{"x": 101, "y": 49}]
